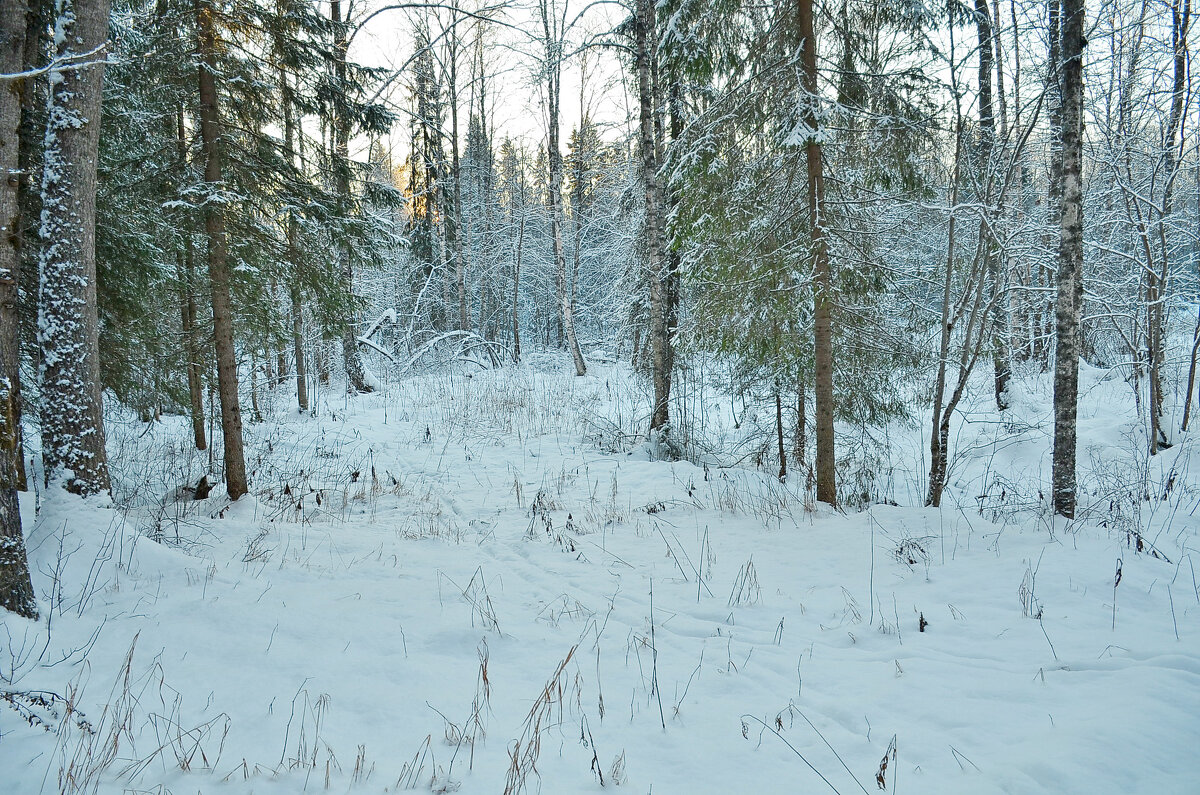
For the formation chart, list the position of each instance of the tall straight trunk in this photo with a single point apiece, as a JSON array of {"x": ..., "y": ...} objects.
[
  {"x": 516, "y": 285},
  {"x": 1001, "y": 97},
  {"x": 798, "y": 438},
  {"x": 31, "y": 135},
  {"x": 438, "y": 227},
  {"x": 460, "y": 263},
  {"x": 356, "y": 379},
  {"x": 191, "y": 343},
  {"x": 281, "y": 367},
  {"x": 660, "y": 343},
  {"x": 938, "y": 442},
  {"x": 1070, "y": 261},
  {"x": 779, "y": 434},
  {"x": 822, "y": 270},
  {"x": 286, "y": 101},
  {"x": 672, "y": 279},
  {"x": 552, "y": 41},
  {"x": 187, "y": 298},
  {"x": 1055, "y": 180},
  {"x": 1001, "y": 367},
  {"x": 298, "y": 349},
  {"x": 16, "y": 587},
  {"x": 1191, "y": 377},
  {"x": 1180, "y": 17},
  {"x": 554, "y": 55},
  {"x": 72, "y": 412},
  {"x": 218, "y": 257}
]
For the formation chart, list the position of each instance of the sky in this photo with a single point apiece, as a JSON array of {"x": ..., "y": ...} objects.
[{"x": 592, "y": 81}]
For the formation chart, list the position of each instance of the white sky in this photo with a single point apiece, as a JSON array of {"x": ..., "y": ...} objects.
[{"x": 516, "y": 98}]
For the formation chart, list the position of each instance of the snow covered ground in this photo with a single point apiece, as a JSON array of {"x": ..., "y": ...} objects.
[{"x": 481, "y": 584}]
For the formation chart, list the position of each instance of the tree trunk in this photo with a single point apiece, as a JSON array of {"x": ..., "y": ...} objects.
[
  {"x": 938, "y": 442},
  {"x": 16, "y": 588},
  {"x": 779, "y": 435},
  {"x": 187, "y": 301},
  {"x": 191, "y": 344},
  {"x": 356, "y": 379},
  {"x": 218, "y": 265},
  {"x": 460, "y": 264},
  {"x": 822, "y": 271},
  {"x": 1001, "y": 367},
  {"x": 298, "y": 350},
  {"x": 798, "y": 438},
  {"x": 1191, "y": 379},
  {"x": 659, "y": 332},
  {"x": 72, "y": 412},
  {"x": 1054, "y": 102},
  {"x": 553, "y": 42},
  {"x": 516, "y": 320},
  {"x": 31, "y": 137},
  {"x": 293, "y": 245},
  {"x": 1070, "y": 261},
  {"x": 1180, "y": 17}
]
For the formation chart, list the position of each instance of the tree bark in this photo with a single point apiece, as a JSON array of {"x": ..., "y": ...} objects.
[
  {"x": 799, "y": 437},
  {"x": 298, "y": 350},
  {"x": 460, "y": 263},
  {"x": 286, "y": 102},
  {"x": 187, "y": 301},
  {"x": 72, "y": 412},
  {"x": 822, "y": 271},
  {"x": 552, "y": 30},
  {"x": 1070, "y": 261},
  {"x": 779, "y": 435},
  {"x": 938, "y": 441},
  {"x": 31, "y": 136},
  {"x": 16, "y": 587},
  {"x": 1001, "y": 367},
  {"x": 1180, "y": 18},
  {"x": 1055, "y": 178},
  {"x": 191, "y": 344},
  {"x": 218, "y": 265},
  {"x": 659, "y": 332},
  {"x": 516, "y": 273},
  {"x": 356, "y": 379}
]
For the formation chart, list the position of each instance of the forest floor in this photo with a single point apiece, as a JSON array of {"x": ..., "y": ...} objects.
[{"x": 484, "y": 584}]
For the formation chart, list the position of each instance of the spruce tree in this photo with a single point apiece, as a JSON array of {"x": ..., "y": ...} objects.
[{"x": 72, "y": 415}]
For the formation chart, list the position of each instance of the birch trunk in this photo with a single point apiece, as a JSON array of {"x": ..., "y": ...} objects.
[
  {"x": 552, "y": 29},
  {"x": 645, "y": 26},
  {"x": 1070, "y": 261}
]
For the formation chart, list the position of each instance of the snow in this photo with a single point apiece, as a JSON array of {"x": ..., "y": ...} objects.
[{"x": 407, "y": 626}]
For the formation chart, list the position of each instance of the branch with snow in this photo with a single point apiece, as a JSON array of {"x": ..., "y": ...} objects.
[{"x": 68, "y": 63}]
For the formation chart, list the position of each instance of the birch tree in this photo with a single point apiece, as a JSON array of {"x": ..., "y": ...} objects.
[
  {"x": 1070, "y": 260},
  {"x": 552, "y": 15}
]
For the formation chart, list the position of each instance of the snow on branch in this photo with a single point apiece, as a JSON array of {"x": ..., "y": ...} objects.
[{"x": 66, "y": 63}]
